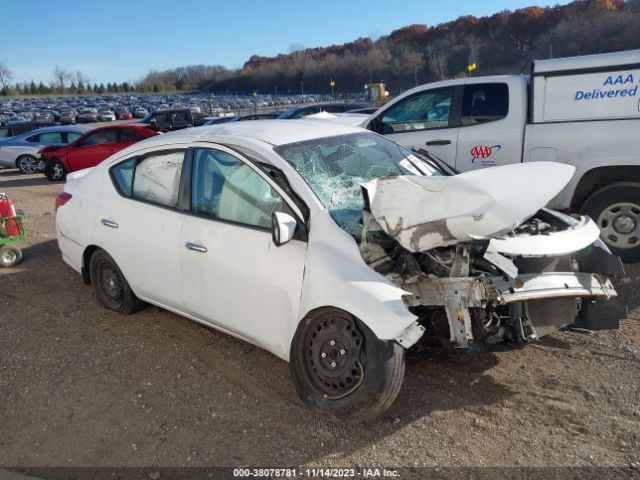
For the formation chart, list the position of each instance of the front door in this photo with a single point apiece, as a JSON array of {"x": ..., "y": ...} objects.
[
  {"x": 92, "y": 149},
  {"x": 233, "y": 276},
  {"x": 424, "y": 120}
]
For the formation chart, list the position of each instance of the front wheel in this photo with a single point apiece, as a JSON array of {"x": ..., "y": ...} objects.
[
  {"x": 9, "y": 256},
  {"x": 27, "y": 164},
  {"x": 54, "y": 170},
  {"x": 616, "y": 210},
  {"x": 341, "y": 370},
  {"x": 111, "y": 288}
]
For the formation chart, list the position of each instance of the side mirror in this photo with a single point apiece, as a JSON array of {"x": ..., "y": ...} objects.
[
  {"x": 283, "y": 226},
  {"x": 153, "y": 123}
]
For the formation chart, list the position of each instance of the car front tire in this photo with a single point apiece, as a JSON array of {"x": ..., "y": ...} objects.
[
  {"x": 341, "y": 370},
  {"x": 27, "y": 164},
  {"x": 110, "y": 286},
  {"x": 54, "y": 170}
]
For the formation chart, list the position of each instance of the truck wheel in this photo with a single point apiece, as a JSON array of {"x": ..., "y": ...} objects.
[
  {"x": 341, "y": 370},
  {"x": 616, "y": 210},
  {"x": 9, "y": 256},
  {"x": 111, "y": 288},
  {"x": 54, "y": 170},
  {"x": 27, "y": 164}
]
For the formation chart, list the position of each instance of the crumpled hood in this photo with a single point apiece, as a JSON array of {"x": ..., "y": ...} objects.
[{"x": 422, "y": 213}]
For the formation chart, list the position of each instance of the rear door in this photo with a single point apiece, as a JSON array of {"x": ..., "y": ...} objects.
[
  {"x": 491, "y": 125},
  {"x": 427, "y": 119},
  {"x": 92, "y": 149}
]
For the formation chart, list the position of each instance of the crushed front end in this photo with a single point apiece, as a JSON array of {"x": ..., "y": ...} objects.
[{"x": 469, "y": 290}]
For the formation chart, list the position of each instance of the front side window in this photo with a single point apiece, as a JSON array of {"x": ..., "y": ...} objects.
[
  {"x": 73, "y": 136},
  {"x": 485, "y": 102},
  {"x": 422, "y": 111},
  {"x": 223, "y": 187},
  {"x": 99, "y": 138},
  {"x": 157, "y": 178}
]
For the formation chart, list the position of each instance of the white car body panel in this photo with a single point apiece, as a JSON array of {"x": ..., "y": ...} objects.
[{"x": 9, "y": 154}]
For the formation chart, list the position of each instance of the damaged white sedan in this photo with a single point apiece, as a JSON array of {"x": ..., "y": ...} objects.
[{"x": 335, "y": 249}]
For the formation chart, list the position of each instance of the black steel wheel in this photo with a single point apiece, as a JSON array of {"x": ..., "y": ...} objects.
[
  {"x": 341, "y": 370},
  {"x": 111, "y": 288}
]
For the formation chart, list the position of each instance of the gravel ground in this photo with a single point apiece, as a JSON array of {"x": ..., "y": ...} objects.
[{"x": 81, "y": 386}]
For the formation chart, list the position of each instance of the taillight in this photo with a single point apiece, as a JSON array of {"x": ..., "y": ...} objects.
[{"x": 61, "y": 199}]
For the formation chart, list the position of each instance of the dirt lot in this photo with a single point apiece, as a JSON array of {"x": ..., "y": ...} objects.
[{"x": 83, "y": 386}]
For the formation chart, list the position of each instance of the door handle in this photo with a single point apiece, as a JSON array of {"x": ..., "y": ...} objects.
[
  {"x": 196, "y": 247},
  {"x": 438, "y": 142},
  {"x": 109, "y": 223}
]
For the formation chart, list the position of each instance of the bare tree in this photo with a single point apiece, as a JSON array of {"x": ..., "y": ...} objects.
[
  {"x": 5, "y": 74},
  {"x": 60, "y": 77},
  {"x": 416, "y": 60},
  {"x": 438, "y": 61}
]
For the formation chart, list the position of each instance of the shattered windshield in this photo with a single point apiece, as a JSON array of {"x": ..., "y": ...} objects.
[{"x": 335, "y": 167}]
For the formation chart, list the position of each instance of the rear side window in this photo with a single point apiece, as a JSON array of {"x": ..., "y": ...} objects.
[
  {"x": 122, "y": 176},
  {"x": 157, "y": 178},
  {"x": 129, "y": 135},
  {"x": 484, "y": 102}
]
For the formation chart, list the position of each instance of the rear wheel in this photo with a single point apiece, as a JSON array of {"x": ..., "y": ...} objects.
[
  {"x": 9, "y": 256},
  {"x": 616, "y": 210},
  {"x": 111, "y": 288},
  {"x": 341, "y": 370},
  {"x": 27, "y": 164},
  {"x": 54, "y": 170}
]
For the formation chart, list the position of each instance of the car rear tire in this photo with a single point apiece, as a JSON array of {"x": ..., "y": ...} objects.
[
  {"x": 9, "y": 256},
  {"x": 54, "y": 170},
  {"x": 111, "y": 288},
  {"x": 616, "y": 211},
  {"x": 27, "y": 164},
  {"x": 341, "y": 370}
]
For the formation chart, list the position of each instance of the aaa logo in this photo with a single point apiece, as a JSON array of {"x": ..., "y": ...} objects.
[{"x": 480, "y": 152}]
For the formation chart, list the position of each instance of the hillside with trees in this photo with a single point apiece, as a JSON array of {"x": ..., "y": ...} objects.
[{"x": 505, "y": 42}]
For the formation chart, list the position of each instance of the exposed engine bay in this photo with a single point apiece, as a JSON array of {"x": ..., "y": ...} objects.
[{"x": 482, "y": 276}]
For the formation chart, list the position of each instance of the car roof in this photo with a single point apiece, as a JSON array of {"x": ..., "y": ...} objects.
[{"x": 273, "y": 132}]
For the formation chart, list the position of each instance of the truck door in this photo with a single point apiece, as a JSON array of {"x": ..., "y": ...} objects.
[
  {"x": 425, "y": 119},
  {"x": 491, "y": 126}
]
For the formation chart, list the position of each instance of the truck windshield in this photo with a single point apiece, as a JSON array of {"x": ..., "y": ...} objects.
[{"x": 335, "y": 167}]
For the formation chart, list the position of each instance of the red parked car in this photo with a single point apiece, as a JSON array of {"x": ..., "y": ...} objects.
[{"x": 90, "y": 149}]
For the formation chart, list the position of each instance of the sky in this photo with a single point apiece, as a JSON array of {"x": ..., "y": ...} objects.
[{"x": 121, "y": 40}]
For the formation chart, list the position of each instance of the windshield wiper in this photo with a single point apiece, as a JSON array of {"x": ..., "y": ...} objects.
[{"x": 434, "y": 161}]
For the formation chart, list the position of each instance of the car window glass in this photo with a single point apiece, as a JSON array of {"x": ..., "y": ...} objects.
[
  {"x": 129, "y": 135},
  {"x": 32, "y": 138},
  {"x": 4, "y": 132},
  {"x": 99, "y": 138},
  {"x": 224, "y": 187},
  {"x": 52, "y": 137},
  {"x": 422, "y": 111},
  {"x": 485, "y": 102},
  {"x": 122, "y": 175},
  {"x": 72, "y": 136},
  {"x": 157, "y": 178}
]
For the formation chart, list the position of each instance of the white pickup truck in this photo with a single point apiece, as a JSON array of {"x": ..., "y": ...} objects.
[{"x": 583, "y": 111}]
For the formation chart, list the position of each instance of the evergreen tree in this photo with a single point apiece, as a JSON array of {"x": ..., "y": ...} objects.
[
  {"x": 42, "y": 89},
  {"x": 32, "y": 88}
]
